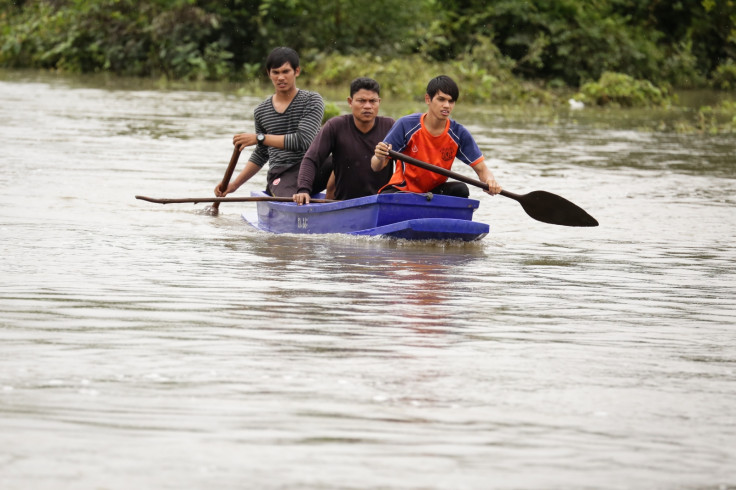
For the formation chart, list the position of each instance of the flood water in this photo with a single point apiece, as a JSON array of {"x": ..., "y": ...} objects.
[{"x": 151, "y": 346}]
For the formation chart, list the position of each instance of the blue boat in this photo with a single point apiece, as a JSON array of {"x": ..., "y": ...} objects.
[{"x": 399, "y": 215}]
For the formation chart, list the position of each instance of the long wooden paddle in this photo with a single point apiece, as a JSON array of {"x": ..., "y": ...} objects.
[
  {"x": 541, "y": 205},
  {"x": 218, "y": 200},
  {"x": 225, "y": 179}
]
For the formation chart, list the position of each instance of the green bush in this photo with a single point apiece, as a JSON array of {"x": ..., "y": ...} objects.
[
  {"x": 403, "y": 76},
  {"x": 621, "y": 90},
  {"x": 713, "y": 120},
  {"x": 567, "y": 42},
  {"x": 482, "y": 73},
  {"x": 331, "y": 110},
  {"x": 724, "y": 77},
  {"x": 680, "y": 67},
  {"x": 178, "y": 40}
]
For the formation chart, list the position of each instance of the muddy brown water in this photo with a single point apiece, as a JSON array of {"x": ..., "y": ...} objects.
[{"x": 150, "y": 346}]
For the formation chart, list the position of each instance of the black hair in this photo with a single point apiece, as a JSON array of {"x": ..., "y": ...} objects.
[
  {"x": 445, "y": 84},
  {"x": 364, "y": 83},
  {"x": 279, "y": 56}
]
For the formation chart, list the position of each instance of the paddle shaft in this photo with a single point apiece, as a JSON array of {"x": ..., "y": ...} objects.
[
  {"x": 447, "y": 173},
  {"x": 228, "y": 175},
  {"x": 218, "y": 200},
  {"x": 541, "y": 205}
]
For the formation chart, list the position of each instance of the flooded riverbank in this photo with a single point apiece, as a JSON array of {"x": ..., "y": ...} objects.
[{"x": 154, "y": 346}]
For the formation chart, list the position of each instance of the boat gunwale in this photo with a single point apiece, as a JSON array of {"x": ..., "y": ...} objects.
[{"x": 405, "y": 199}]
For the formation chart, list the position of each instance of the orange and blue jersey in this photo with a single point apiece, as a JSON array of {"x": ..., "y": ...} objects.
[{"x": 410, "y": 137}]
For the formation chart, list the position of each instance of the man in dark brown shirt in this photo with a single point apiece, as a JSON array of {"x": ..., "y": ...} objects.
[{"x": 351, "y": 140}]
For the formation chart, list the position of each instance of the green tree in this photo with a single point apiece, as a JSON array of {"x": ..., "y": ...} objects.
[
  {"x": 662, "y": 40},
  {"x": 695, "y": 35},
  {"x": 549, "y": 39},
  {"x": 562, "y": 41}
]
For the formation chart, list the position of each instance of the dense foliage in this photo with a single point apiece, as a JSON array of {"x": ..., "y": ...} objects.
[
  {"x": 497, "y": 43},
  {"x": 622, "y": 90},
  {"x": 680, "y": 42},
  {"x": 210, "y": 39}
]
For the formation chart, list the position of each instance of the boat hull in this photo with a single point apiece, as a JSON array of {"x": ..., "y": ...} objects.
[
  {"x": 398, "y": 215},
  {"x": 430, "y": 229}
]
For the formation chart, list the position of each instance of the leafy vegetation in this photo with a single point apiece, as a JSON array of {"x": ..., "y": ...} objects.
[
  {"x": 122, "y": 36},
  {"x": 480, "y": 72},
  {"x": 724, "y": 76},
  {"x": 623, "y": 91},
  {"x": 718, "y": 119},
  {"x": 624, "y": 52},
  {"x": 331, "y": 110}
]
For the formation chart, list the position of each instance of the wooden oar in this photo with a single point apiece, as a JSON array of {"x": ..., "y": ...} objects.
[
  {"x": 541, "y": 205},
  {"x": 218, "y": 200},
  {"x": 226, "y": 179}
]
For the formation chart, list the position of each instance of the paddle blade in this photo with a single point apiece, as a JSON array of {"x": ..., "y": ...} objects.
[{"x": 550, "y": 208}]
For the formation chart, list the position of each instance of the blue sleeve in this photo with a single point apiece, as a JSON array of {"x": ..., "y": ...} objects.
[
  {"x": 400, "y": 133},
  {"x": 467, "y": 151},
  {"x": 395, "y": 137}
]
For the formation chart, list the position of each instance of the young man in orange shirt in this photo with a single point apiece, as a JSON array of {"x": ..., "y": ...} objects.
[{"x": 435, "y": 138}]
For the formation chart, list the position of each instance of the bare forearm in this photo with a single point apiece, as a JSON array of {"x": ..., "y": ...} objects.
[
  {"x": 249, "y": 171},
  {"x": 245, "y": 175},
  {"x": 380, "y": 157},
  {"x": 483, "y": 172},
  {"x": 377, "y": 164},
  {"x": 486, "y": 176}
]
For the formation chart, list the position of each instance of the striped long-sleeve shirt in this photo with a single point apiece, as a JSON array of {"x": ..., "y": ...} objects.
[{"x": 299, "y": 124}]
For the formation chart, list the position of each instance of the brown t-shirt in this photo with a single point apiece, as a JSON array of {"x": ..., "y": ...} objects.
[{"x": 351, "y": 152}]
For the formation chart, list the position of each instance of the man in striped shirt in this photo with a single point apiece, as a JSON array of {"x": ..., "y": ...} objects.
[{"x": 285, "y": 124}]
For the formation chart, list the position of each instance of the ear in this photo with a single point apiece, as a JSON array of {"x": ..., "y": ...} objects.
[
  {"x": 427, "y": 98},
  {"x": 350, "y": 101},
  {"x": 297, "y": 71}
]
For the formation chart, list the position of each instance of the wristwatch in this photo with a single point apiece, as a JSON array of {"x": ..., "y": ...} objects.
[{"x": 260, "y": 138}]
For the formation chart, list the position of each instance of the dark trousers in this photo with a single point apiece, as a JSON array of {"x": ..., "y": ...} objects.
[{"x": 284, "y": 182}]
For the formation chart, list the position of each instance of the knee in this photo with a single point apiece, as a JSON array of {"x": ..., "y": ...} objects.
[{"x": 458, "y": 189}]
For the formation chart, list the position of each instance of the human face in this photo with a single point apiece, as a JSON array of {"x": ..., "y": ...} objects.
[
  {"x": 284, "y": 77},
  {"x": 364, "y": 105},
  {"x": 440, "y": 106}
]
